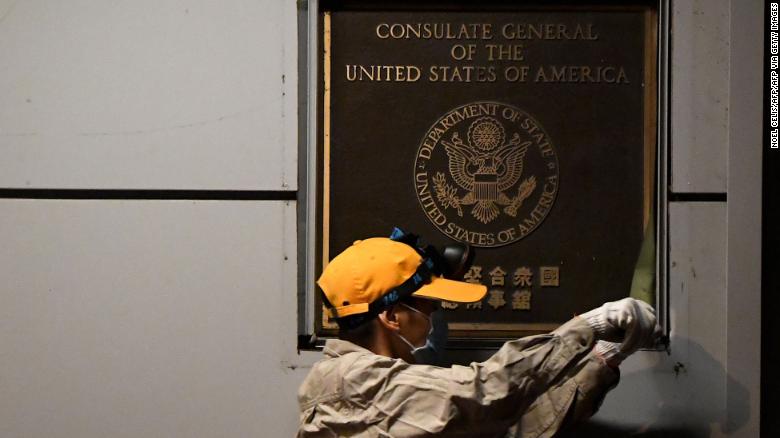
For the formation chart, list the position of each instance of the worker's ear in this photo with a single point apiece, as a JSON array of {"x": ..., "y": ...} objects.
[{"x": 389, "y": 319}]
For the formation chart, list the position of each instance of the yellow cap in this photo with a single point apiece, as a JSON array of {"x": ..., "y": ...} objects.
[{"x": 370, "y": 268}]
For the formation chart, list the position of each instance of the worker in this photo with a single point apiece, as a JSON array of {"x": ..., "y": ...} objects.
[{"x": 383, "y": 291}]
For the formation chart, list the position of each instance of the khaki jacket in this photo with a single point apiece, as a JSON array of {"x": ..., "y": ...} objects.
[{"x": 531, "y": 387}]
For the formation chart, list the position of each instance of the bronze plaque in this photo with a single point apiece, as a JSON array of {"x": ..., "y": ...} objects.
[{"x": 528, "y": 132}]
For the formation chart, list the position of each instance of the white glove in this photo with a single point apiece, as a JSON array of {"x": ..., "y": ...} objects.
[{"x": 631, "y": 321}]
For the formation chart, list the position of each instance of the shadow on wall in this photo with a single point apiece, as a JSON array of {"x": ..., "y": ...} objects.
[{"x": 681, "y": 394}]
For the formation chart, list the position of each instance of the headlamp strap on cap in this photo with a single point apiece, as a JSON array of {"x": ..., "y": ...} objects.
[
  {"x": 402, "y": 236},
  {"x": 427, "y": 252},
  {"x": 421, "y": 276}
]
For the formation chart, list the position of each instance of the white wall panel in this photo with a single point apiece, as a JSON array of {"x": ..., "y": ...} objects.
[
  {"x": 683, "y": 393},
  {"x": 700, "y": 95},
  {"x": 147, "y": 319},
  {"x": 154, "y": 94}
]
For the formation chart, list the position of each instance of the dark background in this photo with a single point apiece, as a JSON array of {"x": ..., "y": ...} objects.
[{"x": 770, "y": 278}]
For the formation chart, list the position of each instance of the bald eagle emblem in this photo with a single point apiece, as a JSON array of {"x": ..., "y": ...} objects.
[{"x": 486, "y": 168}]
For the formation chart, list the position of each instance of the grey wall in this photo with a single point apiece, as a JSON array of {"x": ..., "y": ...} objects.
[
  {"x": 148, "y": 318},
  {"x": 178, "y": 318},
  {"x": 173, "y": 94}
]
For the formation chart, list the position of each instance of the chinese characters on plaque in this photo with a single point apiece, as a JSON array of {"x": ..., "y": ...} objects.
[{"x": 512, "y": 288}]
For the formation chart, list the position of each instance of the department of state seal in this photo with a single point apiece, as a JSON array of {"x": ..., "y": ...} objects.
[{"x": 486, "y": 173}]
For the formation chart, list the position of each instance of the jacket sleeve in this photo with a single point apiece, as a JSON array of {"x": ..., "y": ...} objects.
[
  {"x": 570, "y": 401},
  {"x": 481, "y": 399}
]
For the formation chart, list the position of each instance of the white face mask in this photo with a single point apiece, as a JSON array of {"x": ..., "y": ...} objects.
[{"x": 416, "y": 350}]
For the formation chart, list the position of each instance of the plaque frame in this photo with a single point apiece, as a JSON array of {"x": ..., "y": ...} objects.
[{"x": 313, "y": 213}]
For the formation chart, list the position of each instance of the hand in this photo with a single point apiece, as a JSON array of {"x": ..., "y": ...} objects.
[{"x": 629, "y": 321}]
